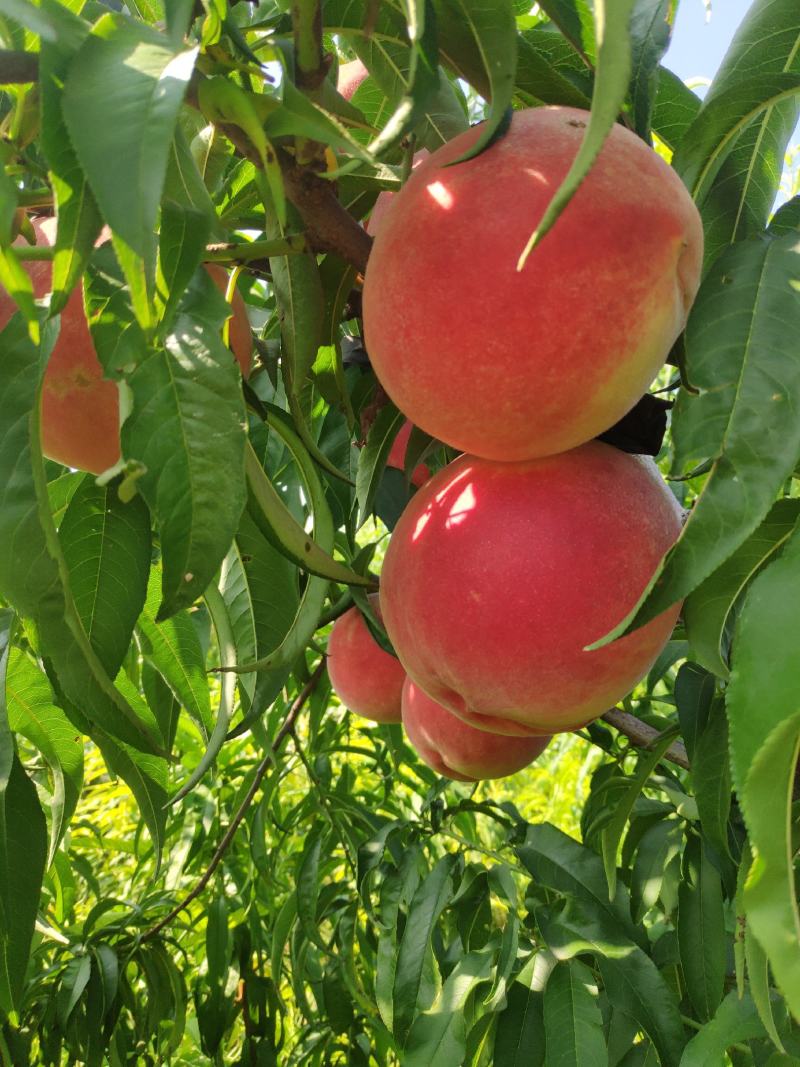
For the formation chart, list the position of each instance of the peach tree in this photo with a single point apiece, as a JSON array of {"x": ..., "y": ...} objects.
[{"x": 203, "y": 856}]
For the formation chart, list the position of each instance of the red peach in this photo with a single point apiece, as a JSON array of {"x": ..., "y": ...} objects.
[
  {"x": 350, "y": 76},
  {"x": 509, "y": 364},
  {"x": 80, "y": 409},
  {"x": 366, "y": 679},
  {"x": 456, "y": 750},
  {"x": 384, "y": 201},
  {"x": 498, "y": 575},
  {"x": 397, "y": 456}
]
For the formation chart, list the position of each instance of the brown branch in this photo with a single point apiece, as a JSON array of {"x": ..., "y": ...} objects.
[
  {"x": 329, "y": 225},
  {"x": 18, "y": 68},
  {"x": 263, "y": 767},
  {"x": 642, "y": 736}
]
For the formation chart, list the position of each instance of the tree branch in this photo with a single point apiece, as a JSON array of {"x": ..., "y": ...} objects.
[
  {"x": 642, "y": 736},
  {"x": 18, "y": 68},
  {"x": 263, "y": 767},
  {"x": 329, "y": 225}
]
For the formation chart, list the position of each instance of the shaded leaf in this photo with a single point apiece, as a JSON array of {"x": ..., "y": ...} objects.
[
  {"x": 710, "y": 611},
  {"x": 106, "y": 545},
  {"x": 735, "y": 1020},
  {"x": 572, "y": 1020},
  {"x": 187, "y": 430},
  {"x": 701, "y": 929},
  {"x": 23, "y": 851}
]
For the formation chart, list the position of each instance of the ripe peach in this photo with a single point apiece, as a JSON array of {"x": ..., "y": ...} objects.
[
  {"x": 457, "y": 750},
  {"x": 366, "y": 679},
  {"x": 350, "y": 76},
  {"x": 498, "y": 575},
  {"x": 80, "y": 409},
  {"x": 384, "y": 201},
  {"x": 514, "y": 365},
  {"x": 397, "y": 456}
]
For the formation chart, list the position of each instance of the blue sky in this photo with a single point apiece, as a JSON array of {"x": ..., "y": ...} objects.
[{"x": 698, "y": 44}]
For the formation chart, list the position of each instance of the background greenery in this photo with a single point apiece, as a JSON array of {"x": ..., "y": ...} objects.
[{"x": 229, "y": 868}]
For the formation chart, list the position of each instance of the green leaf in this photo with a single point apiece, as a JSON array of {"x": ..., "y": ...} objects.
[
  {"x": 741, "y": 354},
  {"x": 735, "y": 1020},
  {"x": 173, "y": 648},
  {"x": 434, "y": 893},
  {"x": 233, "y": 587},
  {"x": 572, "y": 1020},
  {"x": 701, "y": 929},
  {"x": 217, "y": 941},
  {"x": 520, "y": 1040},
  {"x": 284, "y": 621},
  {"x": 762, "y": 691},
  {"x": 705, "y": 731},
  {"x": 560, "y": 863},
  {"x": 770, "y": 896},
  {"x": 373, "y": 456},
  {"x": 658, "y": 847},
  {"x": 439, "y": 1035},
  {"x": 711, "y": 137},
  {"x": 79, "y": 219},
  {"x": 710, "y": 611},
  {"x": 758, "y": 983},
  {"x": 275, "y": 520},
  {"x": 106, "y": 545},
  {"x": 182, "y": 242},
  {"x": 611, "y": 835},
  {"x": 740, "y": 199},
  {"x": 128, "y": 81},
  {"x": 309, "y": 886},
  {"x": 610, "y": 86},
  {"x": 650, "y": 29},
  {"x": 574, "y": 19},
  {"x": 187, "y": 430},
  {"x": 146, "y": 777},
  {"x": 481, "y": 42},
  {"x": 764, "y": 737},
  {"x": 631, "y": 980},
  {"x": 787, "y": 218},
  {"x": 674, "y": 109},
  {"x": 33, "y": 713},
  {"x": 542, "y": 78},
  {"x": 23, "y": 851},
  {"x": 183, "y": 182}
]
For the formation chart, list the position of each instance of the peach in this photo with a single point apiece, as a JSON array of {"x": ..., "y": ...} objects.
[
  {"x": 350, "y": 76},
  {"x": 498, "y": 575},
  {"x": 384, "y": 201},
  {"x": 397, "y": 456},
  {"x": 366, "y": 679},
  {"x": 456, "y": 750},
  {"x": 513, "y": 365},
  {"x": 80, "y": 409}
]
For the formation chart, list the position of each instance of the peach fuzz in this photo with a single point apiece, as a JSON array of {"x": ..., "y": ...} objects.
[
  {"x": 509, "y": 364},
  {"x": 452, "y": 748},
  {"x": 80, "y": 408},
  {"x": 366, "y": 679},
  {"x": 498, "y": 575}
]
